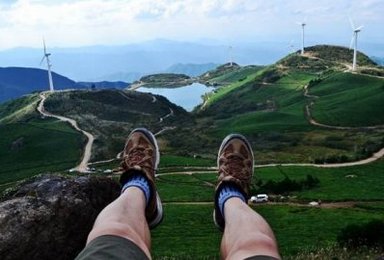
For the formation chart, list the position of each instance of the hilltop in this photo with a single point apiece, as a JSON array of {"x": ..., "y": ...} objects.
[
  {"x": 163, "y": 80},
  {"x": 227, "y": 73},
  {"x": 17, "y": 81}
]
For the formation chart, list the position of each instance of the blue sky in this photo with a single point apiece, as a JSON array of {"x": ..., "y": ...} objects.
[{"x": 70, "y": 23}]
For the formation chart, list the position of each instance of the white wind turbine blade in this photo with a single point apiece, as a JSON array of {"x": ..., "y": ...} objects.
[
  {"x": 352, "y": 24},
  {"x": 41, "y": 62},
  {"x": 45, "y": 47},
  {"x": 359, "y": 28}
]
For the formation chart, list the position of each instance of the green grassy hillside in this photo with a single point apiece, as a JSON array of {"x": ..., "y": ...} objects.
[
  {"x": 111, "y": 114},
  {"x": 19, "y": 109},
  {"x": 164, "y": 80},
  {"x": 349, "y": 100},
  {"x": 338, "y": 54},
  {"x": 227, "y": 73},
  {"x": 37, "y": 146},
  {"x": 269, "y": 107},
  {"x": 31, "y": 145}
]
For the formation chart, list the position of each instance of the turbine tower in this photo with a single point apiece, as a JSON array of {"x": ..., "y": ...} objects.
[
  {"x": 49, "y": 65},
  {"x": 354, "y": 42},
  {"x": 303, "y": 24}
]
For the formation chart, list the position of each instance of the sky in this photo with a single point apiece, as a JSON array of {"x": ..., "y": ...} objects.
[{"x": 70, "y": 23}]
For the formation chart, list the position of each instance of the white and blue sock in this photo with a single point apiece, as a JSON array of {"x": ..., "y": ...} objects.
[
  {"x": 139, "y": 181},
  {"x": 228, "y": 191}
]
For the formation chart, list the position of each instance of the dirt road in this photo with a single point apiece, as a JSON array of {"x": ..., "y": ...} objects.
[{"x": 82, "y": 167}]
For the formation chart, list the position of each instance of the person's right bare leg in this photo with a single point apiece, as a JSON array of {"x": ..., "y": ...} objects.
[{"x": 246, "y": 233}]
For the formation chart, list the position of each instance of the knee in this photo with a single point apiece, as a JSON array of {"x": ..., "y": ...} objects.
[
  {"x": 115, "y": 229},
  {"x": 254, "y": 244}
]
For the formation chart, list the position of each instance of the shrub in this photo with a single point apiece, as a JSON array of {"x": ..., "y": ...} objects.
[
  {"x": 287, "y": 185},
  {"x": 369, "y": 234}
]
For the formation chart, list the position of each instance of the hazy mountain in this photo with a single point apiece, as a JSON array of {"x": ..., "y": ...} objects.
[
  {"x": 15, "y": 81},
  {"x": 121, "y": 76},
  {"x": 192, "y": 70},
  {"x": 97, "y": 63}
]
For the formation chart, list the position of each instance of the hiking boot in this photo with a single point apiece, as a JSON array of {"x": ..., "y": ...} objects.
[
  {"x": 235, "y": 165},
  {"x": 141, "y": 156}
]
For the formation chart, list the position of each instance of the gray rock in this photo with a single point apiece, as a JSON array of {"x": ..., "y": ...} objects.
[{"x": 49, "y": 217}]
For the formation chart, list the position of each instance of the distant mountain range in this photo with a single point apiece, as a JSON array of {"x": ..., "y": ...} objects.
[
  {"x": 16, "y": 81},
  {"x": 192, "y": 70},
  {"x": 130, "y": 62}
]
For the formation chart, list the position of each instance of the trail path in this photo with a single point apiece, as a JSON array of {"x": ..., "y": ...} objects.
[
  {"x": 82, "y": 167},
  {"x": 327, "y": 205},
  {"x": 171, "y": 113},
  {"x": 312, "y": 121}
]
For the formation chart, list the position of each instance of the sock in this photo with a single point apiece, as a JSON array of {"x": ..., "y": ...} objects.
[
  {"x": 228, "y": 191},
  {"x": 139, "y": 181}
]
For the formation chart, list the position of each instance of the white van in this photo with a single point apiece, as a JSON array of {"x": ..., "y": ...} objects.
[{"x": 259, "y": 198}]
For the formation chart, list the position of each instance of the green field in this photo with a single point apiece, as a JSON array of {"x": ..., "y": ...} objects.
[
  {"x": 348, "y": 94},
  {"x": 37, "y": 146},
  {"x": 358, "y": 183},
  {"x": 188, "y": 231},
  {"x": 191, "y": 234}
]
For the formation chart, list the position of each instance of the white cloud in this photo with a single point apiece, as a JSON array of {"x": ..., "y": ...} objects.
[{"x": 72, "y": 23}]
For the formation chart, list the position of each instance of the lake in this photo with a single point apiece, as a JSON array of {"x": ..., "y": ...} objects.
[{"x": 187, "y": 97}]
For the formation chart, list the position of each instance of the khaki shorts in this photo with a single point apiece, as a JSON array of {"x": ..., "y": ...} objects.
[
  {"x": 115, "y": 247},
  {"x": 111, "y": 247}
]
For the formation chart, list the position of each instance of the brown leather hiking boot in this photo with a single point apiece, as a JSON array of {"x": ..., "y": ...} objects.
[
  {"x": 235, "y": 164},
  {"x": 141, "y": 155}
]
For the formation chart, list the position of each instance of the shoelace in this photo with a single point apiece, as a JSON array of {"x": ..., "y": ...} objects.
[
  {"x": 233, "y": 164},
  {"x": 136, "y": 156}
]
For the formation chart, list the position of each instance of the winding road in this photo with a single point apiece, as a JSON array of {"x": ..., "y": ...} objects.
[
  {"x": 82, "y": 167},
  {"x": 312, "y": 121}
]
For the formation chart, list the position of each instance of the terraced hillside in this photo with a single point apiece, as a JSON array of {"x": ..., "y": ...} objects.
[
  {"x": 269, "y": 106},
  {"x": 30, "y": 145},
  {"x": 344, "y": 94}
]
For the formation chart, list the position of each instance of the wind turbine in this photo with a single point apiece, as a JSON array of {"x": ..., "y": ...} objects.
[
  {"x": 302, "y": 24},
  {"x": 354, "y": 42},
  {"x": 49, "y": 65}
]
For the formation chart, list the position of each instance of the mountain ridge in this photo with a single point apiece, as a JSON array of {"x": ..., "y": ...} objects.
[{"x": 17, "y": 81}]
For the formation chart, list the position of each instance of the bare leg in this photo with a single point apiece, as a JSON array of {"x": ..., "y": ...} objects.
[
  {"x": 246, "y": 233},
  {"x": 125, "y": 217}
]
